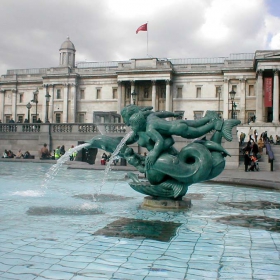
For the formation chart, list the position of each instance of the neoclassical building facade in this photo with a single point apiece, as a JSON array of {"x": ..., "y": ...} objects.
[{"x": 96, "y": 92}]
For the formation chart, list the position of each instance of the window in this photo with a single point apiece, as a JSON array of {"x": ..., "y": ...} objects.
[
  {"x": 146, "y": 92},
  {"x": 20, "y": 119},
  {"x": 58, "y": 118},
  {"x": 58, "y": 94},
  {"x": 179, "y": 92},
  {"x": 128, "y": 93},
  {"x": 251, "y": 116},
  {"x": 81, "y": 118},
  {"x": 162, "y": 92},
  {"x": 234, "y": 87},
  {"x": 181, "y": 113},
  {"x": 21, "y": 98},
  {"x": 7, "y": 117},
  {"x": 218, "y": 91},
  {"x": 34, "y": 119},
  {"x": 82, "y": 94},
  {"x": 220, "y": 114},
  {"x": 115, "y": 93},
  {"x": 197, "y": 115},
  {"x": 251, "y": 90},
  {"x": 98, "y": 93},
  {"x": 198, "y": 92}
]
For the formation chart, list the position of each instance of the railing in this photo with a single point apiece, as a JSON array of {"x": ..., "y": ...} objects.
[
  {"x": 62, "y": 128},
  {"x": 104, "y": 128},
  {"x": 19, "y": 128}
]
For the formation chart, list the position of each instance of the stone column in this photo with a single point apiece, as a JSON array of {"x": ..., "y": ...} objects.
[
  {"x": 154, "y": 94},
  {"x": 242, "y": 105},
  {"x": 2, "y": 104},
  {"x": 225, "y": 98},
  {"x": 14, "y": 105},
  {"x": 65, "y": 103},
  {"x": 132, "y": 83},
  {"x": 167, "y": 99},
  {"x": 73, "y": 98},
  {"x": 119, "y": 97},
  {"x": 51, "y": 105},
  {"x": 45, "y": 103},
  {"x": 123, "y": 95},
  {"x": 259, "y": 97},
  {"x": 276, "y": 97}
]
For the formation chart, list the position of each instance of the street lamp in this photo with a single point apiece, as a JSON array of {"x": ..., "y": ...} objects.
[
  {"x": 47, "y": 107},
  {"x": 232, "y": 95},
  {"x": 133, "y": 95},
  {"x": 234, "y": 109},
  {"x": 35, "y": 100},
  {"x": 28, "y": 106}
]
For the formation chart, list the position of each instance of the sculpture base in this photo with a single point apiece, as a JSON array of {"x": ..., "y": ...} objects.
[{"x": 157, "y": 203}]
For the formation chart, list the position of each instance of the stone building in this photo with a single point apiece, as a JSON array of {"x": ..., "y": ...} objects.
[{"x": 96, "y": 92}]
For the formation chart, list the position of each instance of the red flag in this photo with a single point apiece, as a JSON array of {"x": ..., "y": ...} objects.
[{"x": 143, "y": 27}]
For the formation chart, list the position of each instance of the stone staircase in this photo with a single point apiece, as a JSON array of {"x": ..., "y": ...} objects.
[
  {"x": 276, "y": 152},
  {"x": 263, "y": 161}
]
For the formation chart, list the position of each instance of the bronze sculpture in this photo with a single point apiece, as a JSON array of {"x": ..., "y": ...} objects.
[{"x": 169, "y": 172}]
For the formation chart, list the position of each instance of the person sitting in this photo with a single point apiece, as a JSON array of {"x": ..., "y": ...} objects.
[
  {"x": 39, "y": 120},
  {"x": 260, "y": 145},
  {"x": 5, "y": 154},
  {"x": 45, "y": 154},
  {"x": 57, "y": 154},
  {"x": 11, "y": 154},
  {"x": 62, "y": 150},
  {"x": 19, "y": 154},
  {"x": 104, "y": 159},
  {"x": 74, "y": 154},
  {"x": 271, "y": 141},
  {"x": 242, "y": 138},
  {"x": 26, "y": 155}
]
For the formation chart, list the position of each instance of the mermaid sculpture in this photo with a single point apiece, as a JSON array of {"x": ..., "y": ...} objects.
[{"x": 170, "y": 172}]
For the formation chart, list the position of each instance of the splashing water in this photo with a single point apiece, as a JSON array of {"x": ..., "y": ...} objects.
[
  {"x": 55, "y": 168},
  {"x": 112, "y": 158}
]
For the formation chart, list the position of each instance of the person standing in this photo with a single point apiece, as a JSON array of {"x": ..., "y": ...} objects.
[
  {"x": 250, "y": 133},
  {"x": 247, "y": 151},
  {"x": 256, "y": 135}
]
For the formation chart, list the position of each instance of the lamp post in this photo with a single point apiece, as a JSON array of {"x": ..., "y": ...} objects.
[
  {"x": 47, "y": 107},
  {"x": 232, "y": 95},
  {"x": 35, "y": 100},
  {"x": 133, "y": 95},
  {"x": 28, "y": 106},
  {"x": 234, "y": 110}
]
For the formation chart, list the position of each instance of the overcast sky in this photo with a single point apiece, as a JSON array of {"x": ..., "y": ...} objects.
[{"x": 32, "y": 31}]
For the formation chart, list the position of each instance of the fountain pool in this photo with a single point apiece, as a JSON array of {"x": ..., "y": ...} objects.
[{"x": 64, "y": 232}]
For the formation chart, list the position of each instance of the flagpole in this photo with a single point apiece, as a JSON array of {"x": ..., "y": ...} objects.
[{"x": 147, "y": 40}]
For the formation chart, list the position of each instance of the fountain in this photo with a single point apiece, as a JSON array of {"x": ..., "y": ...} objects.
[
  {"x": 169, "y": 172},
  {"x": 60, "y": 232}
]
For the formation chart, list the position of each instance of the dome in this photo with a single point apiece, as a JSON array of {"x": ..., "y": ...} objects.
[{"x": 67, "y": 45}]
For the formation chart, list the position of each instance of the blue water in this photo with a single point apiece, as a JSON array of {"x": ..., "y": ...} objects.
[{"x": 48, "y": 232}]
